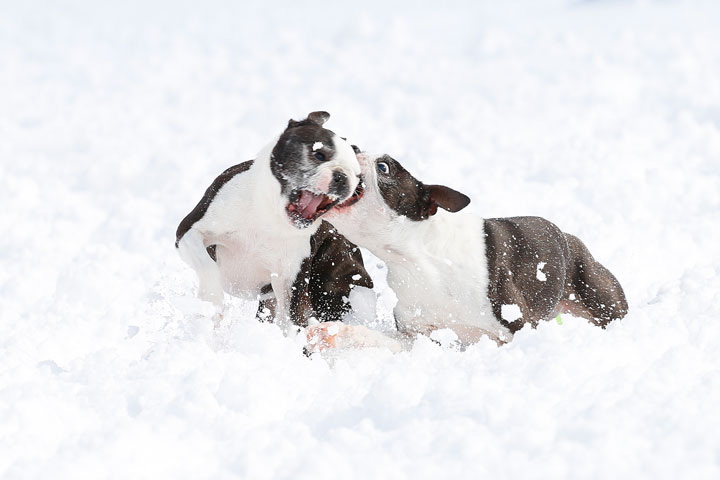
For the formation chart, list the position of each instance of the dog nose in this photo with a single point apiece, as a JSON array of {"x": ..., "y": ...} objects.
[
  {"x": 339, "y": 177},
  {"x": 339, "y": 185}
]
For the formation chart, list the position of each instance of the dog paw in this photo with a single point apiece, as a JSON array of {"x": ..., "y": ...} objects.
[
  {"x": 334, "y": 336},
  {"x": 218, "y": 319},
  {"x": 323, "y": 336}
]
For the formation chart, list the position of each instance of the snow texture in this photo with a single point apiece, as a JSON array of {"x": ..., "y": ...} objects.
[{"x": 603, "y": 116}]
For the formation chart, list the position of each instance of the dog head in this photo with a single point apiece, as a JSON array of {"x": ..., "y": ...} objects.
[
  {"x": 389, "y": 194},
  {"x": 316, "y": 169}
]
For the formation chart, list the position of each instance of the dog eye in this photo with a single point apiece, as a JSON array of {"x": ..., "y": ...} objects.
[
  {"x": 320, "y": 156},
  {"x": 383, "y": 167}
]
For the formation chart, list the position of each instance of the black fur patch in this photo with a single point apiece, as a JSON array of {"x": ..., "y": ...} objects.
[
  {"x": 327, "y": 276},
  {"x": 402, "y": 192}
]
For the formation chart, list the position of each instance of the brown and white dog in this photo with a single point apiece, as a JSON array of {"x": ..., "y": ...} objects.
[
  {"x": 461, "y": 272},
  {"x": 251, "y": 233}
]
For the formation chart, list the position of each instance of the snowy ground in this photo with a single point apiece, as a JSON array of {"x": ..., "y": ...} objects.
[{"x": 602, "y": 116}]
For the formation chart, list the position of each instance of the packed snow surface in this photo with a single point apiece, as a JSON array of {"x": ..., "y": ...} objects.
[{"x": 602, "y": 116}]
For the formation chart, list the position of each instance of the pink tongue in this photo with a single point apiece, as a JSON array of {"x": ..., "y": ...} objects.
[{"x": 308, "y": 203}]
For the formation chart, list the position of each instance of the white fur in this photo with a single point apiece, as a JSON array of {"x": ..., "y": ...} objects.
[
  {"x": 437, "y": 267},
  {"x": 256, "y": 242}
]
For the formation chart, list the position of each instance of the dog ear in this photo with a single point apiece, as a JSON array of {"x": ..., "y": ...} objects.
[
  {"x": 318, "y": 118},
  {"x": 446, "y": 198}
]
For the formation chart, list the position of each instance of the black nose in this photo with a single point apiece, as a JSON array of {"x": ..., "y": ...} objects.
[
  {"x": 339, "y": 184},
  {"x": 339, "y": 177}
]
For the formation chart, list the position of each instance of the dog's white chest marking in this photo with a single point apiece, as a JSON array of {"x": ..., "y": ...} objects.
[
  {"x": 245, "y": 279},
  {"x": 253, "y": 242},
  {"x": 440, "y": 276}
]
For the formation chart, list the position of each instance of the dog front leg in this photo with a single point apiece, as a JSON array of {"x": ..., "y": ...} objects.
[
  {"x": 191, "y": 248},
  {"x": 283, "y": 289},
  {"x": 335, "y": 335}
]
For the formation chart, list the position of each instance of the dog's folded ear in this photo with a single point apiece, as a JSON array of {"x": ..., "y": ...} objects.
[
  {"x": 446, "y": 198},
  {"x": 318, "y": 118}
]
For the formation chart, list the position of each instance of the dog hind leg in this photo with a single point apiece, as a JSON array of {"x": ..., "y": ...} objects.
[
  {"x": 193, "y": 252},
  {"x": 592, "y": 291}
]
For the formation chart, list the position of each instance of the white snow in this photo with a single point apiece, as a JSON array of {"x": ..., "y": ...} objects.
[
  {"x": 602, "y": 116},
  {"x": 445, "y": 336},
  {"x": 364, "y": 311},
  {"x": 510, "y": 312},
  {"x": 317, "y": 146},
  {"x": 539, "y": 274}
]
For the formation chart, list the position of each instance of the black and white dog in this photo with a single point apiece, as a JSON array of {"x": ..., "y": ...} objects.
[
  {"x": 472, "y": 275},
  {"x": 250, "y": 234}
]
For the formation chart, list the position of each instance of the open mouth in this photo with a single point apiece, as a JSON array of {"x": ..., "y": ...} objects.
[
  {"x": 357, "y": 195},
  {"x": 305, "y": 206}
]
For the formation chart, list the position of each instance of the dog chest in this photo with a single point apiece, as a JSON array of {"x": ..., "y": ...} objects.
[
  {"x": 254, "y": 241},
  {"x": 251, "y": 259},
  {"x": 444, "y": 282}
]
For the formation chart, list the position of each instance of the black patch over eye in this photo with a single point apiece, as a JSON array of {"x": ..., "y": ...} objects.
[
  {"x": 320, "y": 156},
  {"x": 383, "y": 167}
]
